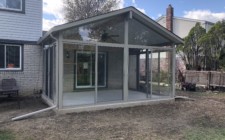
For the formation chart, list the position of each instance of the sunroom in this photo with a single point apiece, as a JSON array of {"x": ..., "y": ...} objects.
[{"x": 117, "y": 59}]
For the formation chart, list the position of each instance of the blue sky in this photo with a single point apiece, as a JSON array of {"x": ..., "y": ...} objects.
[
  {"x": 197, "y": 9},
  {"x": 155, "y": 7}
]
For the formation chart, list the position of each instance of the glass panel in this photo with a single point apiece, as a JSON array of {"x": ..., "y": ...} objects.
[
  {"x": 166, "y": 73},
  {"x": 137, "y": 80},
  {"x": 101, "y": 69},
  {"x": 13, "y": 56},
  {"x": 2, "y": 56},
  {"x": 109, "y": 30},
  {"x": 140, "y": 34},
  {"x": 162, "y": 74},
  {"x": 84, "y": 71},
  {"x": 78, "y": 64},
  {"x": 51, "y": 49},
  {"x": 110, "y": 74},
  {"x": 46, "y": 72},
  {"x": 155, "y": 73},
  {"x": 11, "y": 4},
  {"x": 14, "y": 4}
]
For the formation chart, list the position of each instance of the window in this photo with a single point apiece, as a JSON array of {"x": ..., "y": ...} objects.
[
  {"x": 10, "y": 57},
  {"x": 14, "y": 5}
]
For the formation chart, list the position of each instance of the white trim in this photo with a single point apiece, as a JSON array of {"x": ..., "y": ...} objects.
[{"x": 20, "y": 63}]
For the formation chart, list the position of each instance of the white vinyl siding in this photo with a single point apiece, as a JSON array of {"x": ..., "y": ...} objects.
[{"x": 19, "y": 26}]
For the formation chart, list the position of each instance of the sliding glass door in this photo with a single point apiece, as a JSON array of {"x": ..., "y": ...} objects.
[{"x": 85, "y": 71}]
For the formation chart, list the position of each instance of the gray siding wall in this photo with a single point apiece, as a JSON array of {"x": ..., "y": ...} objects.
[
  {"x": 115, "y": 68},
  {"x": 19, "y": 26},
  {"x": 31, "y": 76}
]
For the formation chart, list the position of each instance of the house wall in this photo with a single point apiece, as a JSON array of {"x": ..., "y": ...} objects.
[
  {"x": 20, "y": 26},
  {"x": 30, "y": 78},
  {"x": 69, "y": 70},
  {"x": 115, "y": 68},
  {"x": 182, "y": 26}
]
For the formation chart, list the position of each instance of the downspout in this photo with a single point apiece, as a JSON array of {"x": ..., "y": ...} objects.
[
  {"x": 56, "y": 42},
  {"x": 45, "y": 109},
  {"x": 33, "y": 113}
]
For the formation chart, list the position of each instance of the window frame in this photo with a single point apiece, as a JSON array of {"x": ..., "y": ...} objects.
[
  {"x": 21, "y": 10},
  {"x": 20, "y": 61}
]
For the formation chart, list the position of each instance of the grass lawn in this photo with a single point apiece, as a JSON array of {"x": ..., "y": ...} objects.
[
  {"x": 6, "y": 135},
  {"x": 205, "y": 134},
  {"x": 201, "y": 119}
]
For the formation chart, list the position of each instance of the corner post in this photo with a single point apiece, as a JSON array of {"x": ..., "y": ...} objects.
[
  {"x": 173, "y": 71},
  {"x": 125, "y": 62},
  {"x": 60, "y": 72},
  {"x": 96, "y": 73}
]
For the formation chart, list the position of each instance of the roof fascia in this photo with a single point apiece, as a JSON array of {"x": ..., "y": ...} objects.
[
  {"x": 169, "y": 35},
  {"x": 85, "y": 21}
]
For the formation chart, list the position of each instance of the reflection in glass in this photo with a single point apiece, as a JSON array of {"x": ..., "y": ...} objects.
[
  {"x": 140, "y": 34},
  {"x": 110, "y": 30},
  {"x": 113, "y": 91},
  {"x": 13, "y": 56},
  {"x": 162, "y": 73},
  {"x": 78, "y": 63},
  {"x": 11, "y": 4},
  {"x": 137, "y": 82},
  {"x": 2, "y": 56}
]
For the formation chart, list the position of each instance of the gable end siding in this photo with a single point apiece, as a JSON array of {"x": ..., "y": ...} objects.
[{"x": 22, "y": 26}]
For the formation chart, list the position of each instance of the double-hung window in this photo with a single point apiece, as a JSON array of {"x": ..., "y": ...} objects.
[
  {"x": 12, "y": 5},
  {"x": 10, "y": 57}
]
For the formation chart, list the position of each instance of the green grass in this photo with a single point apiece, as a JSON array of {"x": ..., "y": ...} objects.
[
  {"x": 6, "y": 135},
  {"x": 205, "y": 134}
]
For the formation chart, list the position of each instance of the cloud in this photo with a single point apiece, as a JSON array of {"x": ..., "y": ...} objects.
[
  {"x": 159, "y": 15},
  {"x": 49, "y": 23},
  {"x": 204, "y": 15},
  {"x": 121, "y": 4},
  {"x": 135, "y": 5},
  {"x": 54, "y": 8}
]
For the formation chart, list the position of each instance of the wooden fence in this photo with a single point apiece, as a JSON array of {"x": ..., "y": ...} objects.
[{"x": 205, "y": 78}]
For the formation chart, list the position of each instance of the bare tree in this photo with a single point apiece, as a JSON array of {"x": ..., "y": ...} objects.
[{"x": 81, "y": 9}]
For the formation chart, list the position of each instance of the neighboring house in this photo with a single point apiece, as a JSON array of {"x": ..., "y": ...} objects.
[
  {"x": 181, "y": 27},
  {"x": 95, "y": 63},
  {"x": 20, "y": 55}
]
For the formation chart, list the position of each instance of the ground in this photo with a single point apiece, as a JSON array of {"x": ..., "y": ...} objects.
[{"x": 203, "y": 118}]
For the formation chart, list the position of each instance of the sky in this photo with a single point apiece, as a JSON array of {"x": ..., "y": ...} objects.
[{"x": 210, "y": 10}]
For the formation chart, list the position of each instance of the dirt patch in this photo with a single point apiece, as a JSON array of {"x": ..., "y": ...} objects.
[{"x": 159, "y": 121}]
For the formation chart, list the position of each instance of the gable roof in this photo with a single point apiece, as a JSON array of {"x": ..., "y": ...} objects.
[
  {"x": 187, "y": 19},
  {"x": 134, "y": 12}
]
